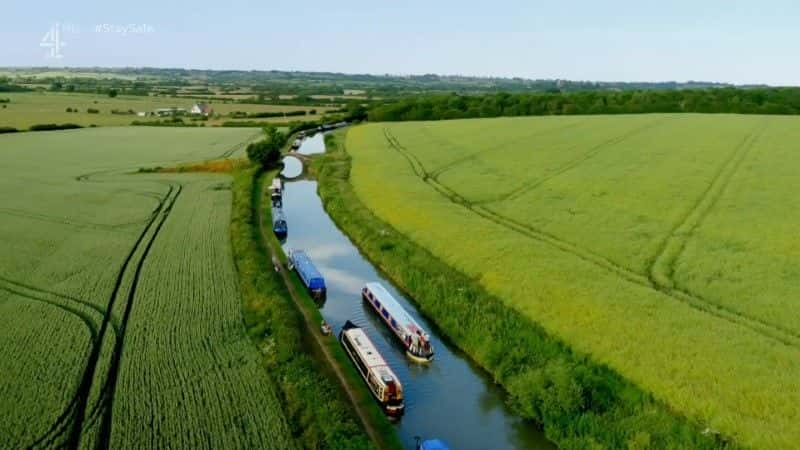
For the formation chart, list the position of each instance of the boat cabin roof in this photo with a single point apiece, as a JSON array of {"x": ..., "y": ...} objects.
[
  {"x": 434, "y": 444},
  {"x": 394, "y": 308},
  {"x": 303, "y": 263},
  {"x": 366, "y": 349}
]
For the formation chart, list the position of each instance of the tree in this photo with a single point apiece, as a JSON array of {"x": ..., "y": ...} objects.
[
  {"x": 112, "y": 93},
  {"x": 356, "y": 112},
  {"x": 267, "y": 151}
]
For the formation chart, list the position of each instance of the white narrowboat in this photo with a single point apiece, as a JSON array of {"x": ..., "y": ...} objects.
[
  {"x": 415, "y": 340},
  {"x": 276, "y": 188},
  {"x": 382, "y": 382}
]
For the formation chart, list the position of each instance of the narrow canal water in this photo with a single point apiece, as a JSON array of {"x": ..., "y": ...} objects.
[
  {"x": 313, "y": 144},
  {"x": 449, "y": 398}
]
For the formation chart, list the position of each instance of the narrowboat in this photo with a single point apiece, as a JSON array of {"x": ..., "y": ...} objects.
[
  {"x": 431, "y": 444},
  {"x": 381, "y": 380},
  {"x": 277, "y": 189},
  {"x": 310, "y": 276},
  {"x": 279, "y": 225},
  {"x": 415, "y": 340}
]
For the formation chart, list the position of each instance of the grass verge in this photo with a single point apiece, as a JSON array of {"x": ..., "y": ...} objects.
[
  {"x": 319, "y": 416},
  {"x": 579, "y": 403}
]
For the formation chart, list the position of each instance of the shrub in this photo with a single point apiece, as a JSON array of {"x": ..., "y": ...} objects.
[
  {"x": 173, "y": 122},
  {"x": 53, "y": 126}
]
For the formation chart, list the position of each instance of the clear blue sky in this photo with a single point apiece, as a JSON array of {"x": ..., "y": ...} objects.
[{"x": 621, "y": 40}]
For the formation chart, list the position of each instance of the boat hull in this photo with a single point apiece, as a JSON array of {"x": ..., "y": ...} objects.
[
  {"x": 419, "y": 359},
  {"x": 394, "y": 412}
]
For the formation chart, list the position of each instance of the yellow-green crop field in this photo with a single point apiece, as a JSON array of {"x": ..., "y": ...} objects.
[
  {"x": 664, "y": 246},
  {"x": 29, "y": 108},
  {"x": 120, "y": 311}
]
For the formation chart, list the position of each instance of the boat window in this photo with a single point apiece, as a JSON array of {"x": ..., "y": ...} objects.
[
  {"x": 385, "y": 313},
  {"x": 377, "y": 303},
  {"x": 394, "y": 324}
]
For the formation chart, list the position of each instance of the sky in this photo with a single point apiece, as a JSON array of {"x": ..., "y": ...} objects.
[{"x": 618, "y": 40}]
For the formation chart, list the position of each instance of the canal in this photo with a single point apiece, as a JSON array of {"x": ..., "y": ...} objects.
[{"x": 450, "y": 398}]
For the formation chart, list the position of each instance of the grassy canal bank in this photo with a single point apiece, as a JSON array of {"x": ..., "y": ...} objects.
[
  {"x": 324, "y": 399},
  {"x": 580, "y": 404}
]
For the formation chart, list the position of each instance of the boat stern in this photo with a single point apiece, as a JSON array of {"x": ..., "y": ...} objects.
[{"x": 420, "y": 358}]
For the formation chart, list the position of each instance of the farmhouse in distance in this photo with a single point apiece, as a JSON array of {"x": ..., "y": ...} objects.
[{"x": 202, "y": 109}]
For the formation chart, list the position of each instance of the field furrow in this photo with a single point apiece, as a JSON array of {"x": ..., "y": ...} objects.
[{"x": 663, "y": 264}]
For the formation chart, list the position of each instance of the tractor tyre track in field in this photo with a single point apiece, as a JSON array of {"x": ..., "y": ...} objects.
[
  {"x": 768, "y": 330},
  {"x": 447, "y": 166},
  {"x": 87, "y": 380},
  {"x": 116, "y": 357},
  {"x": 67, "y": 418},
  {"x": 591, "y": 153},
  {"x": 63, "y": 221},
  {"x": 68, "y": 298},
  {"x": 238, "y": 146},
  {"x": 58, "y": 427},
  {"x": 22, "y": 289},
  {"x": 661, "y": 269}
]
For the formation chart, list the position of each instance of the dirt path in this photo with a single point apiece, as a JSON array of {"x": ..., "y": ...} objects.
[{"x": 312, "y": 327}]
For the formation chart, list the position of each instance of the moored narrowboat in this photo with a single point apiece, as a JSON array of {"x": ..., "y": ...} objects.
[
  {"x": 431, "y": 444},
  {"x": 309, "y": 275},
  {"x": 415, "y": 340},
  {"x": 381, "y": 380},
  {"x": 279, "y": 225},
  {"x": 277, "y": 189}
]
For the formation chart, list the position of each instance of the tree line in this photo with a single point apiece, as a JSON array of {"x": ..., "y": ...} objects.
[{"x": 722, "y": 100}]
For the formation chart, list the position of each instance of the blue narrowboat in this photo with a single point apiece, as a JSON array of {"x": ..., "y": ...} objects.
[
  {"x": 279, "y": 225},
  {"x": 312, "y": 279},
  {"x": 431, "y": 444}
]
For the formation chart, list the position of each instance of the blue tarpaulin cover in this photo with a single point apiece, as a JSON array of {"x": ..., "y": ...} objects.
[
  {"x": 434, "y": 444},
  {"x": 305, "y": 268}
]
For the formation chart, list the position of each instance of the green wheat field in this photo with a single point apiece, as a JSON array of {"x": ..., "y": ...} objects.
[
  {"x": 142, "y": 263},
  {"x": 664, "y": 246}
]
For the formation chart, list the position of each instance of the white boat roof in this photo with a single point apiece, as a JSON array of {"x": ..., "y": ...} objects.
[
  {"x": 365, "y": 348},
  {"x": 394, "y": 308}
]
